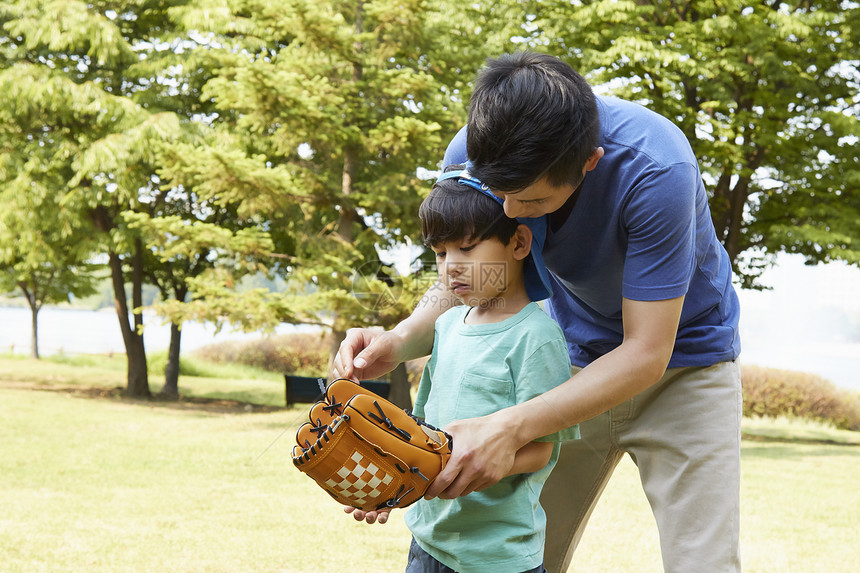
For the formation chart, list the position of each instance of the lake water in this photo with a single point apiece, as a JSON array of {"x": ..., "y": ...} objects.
[
  {"x": 74, "y": 331},
  {"x": 796, "y": 339}
]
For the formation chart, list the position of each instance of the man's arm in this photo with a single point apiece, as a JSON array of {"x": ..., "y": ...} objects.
[
  {"x": 485, "y": 447},
  {"x": 530, "y": 458}
]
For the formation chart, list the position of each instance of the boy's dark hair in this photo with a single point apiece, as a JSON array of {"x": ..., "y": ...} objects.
[
  {"x": 530, "y": 115},
  {"x": 453, "y": 212}
]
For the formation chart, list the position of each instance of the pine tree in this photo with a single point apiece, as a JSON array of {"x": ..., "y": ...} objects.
[
  {"x": 93, "y": 86},
  {"x": 326, "y": 110}
]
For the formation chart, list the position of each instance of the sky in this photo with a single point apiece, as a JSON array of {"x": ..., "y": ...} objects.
[{"x": 809, "y": 321}]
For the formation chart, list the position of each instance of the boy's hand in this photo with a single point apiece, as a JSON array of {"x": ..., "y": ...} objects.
[
  {"x": 366, "y": 353},
  {"x": 369, "y": 516}
]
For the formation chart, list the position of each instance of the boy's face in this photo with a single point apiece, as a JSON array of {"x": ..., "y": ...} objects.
[{"x": 476, "y": 271}]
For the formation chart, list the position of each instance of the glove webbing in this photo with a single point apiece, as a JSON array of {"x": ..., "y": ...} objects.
[{"x": 383, "y": 419}]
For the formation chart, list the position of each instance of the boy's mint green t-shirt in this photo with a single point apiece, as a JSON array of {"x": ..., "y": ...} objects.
[{"x": 475, "y": 370}]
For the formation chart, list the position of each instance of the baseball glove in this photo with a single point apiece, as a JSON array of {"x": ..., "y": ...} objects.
[{"x": 366, "y": 452}]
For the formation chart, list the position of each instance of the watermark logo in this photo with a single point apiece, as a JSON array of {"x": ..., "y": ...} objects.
[
  {"x": 377, "y": 287},
  {"x": 492, "y": 276},
  {"x": 374, "y": 287}
]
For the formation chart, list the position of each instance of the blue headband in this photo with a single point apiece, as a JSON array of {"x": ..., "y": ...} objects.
[
  {"x": 465, "y": 178},
  {"x": 535, "y": 273}
]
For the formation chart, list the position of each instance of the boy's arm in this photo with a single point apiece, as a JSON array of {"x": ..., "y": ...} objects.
[
  {"x": 531, "y": 457},
  {"x": 486, "y": 445},
  {"x": 368, "y": 353}
]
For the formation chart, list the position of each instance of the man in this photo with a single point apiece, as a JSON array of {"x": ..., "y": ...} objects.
[{"x": 643, "y": 293}]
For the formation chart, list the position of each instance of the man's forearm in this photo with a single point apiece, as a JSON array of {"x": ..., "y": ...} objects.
[
  {"x": 634, "y": 366},
  {"x": 605, "y": 383}
]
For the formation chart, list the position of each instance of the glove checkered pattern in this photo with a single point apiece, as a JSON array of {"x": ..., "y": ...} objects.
[
  {"x": 366, "y": 452},
  {"x": 360, "y": 479}
]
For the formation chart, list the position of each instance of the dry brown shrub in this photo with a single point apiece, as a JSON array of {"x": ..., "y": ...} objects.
[
  {"x": 771, "y": 392},
  {"x": 300, "y": 354}
]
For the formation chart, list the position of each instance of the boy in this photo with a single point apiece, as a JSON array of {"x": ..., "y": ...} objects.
[{"x": 497, "y": 350}]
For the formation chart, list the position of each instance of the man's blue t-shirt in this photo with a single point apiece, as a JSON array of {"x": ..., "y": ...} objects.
[{"x": 640, "y": 229}]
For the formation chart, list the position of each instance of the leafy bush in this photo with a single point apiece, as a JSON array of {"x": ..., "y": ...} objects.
[
  {"x": 771, "y": 392},
  {"x": 302, "y": 354}
]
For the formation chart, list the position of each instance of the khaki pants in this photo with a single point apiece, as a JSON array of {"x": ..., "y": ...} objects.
[{"x": 684, "y": 436}]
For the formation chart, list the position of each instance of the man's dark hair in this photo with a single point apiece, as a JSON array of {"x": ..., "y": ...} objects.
[
  {"x": 453, "y": 212},
  {"x": 531, "y": 115}
]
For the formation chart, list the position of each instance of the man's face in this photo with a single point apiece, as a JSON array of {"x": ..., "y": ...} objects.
[{"x": 539, "y": 198}]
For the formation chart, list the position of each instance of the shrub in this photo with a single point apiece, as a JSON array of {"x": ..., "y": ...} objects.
[
  {"x": 770, "y": 392},
  {"x": 302, "y": 354}
]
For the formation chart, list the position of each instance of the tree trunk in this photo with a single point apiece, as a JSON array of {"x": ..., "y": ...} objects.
[
  {"x": 171, "y": 370},
  {"x": 138, "y": 381},
  {"x": 337, "y": 337},
  {"x": 34, "y": 331},
  {"x": 400, "y": 390},
  {"x": 733, "y": 242},
  {"x": 35, "y": 306}
]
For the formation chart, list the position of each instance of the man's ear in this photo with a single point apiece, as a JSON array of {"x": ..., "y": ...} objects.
[
  {"x": 522, "y": 240},
  {"x": 591, "y": 163}
]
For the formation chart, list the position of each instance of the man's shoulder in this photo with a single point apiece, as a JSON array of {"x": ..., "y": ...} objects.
[{"x": 631, "y": 126}]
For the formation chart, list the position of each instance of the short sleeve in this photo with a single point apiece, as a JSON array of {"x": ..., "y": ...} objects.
[
  {"x": 660, "y": 218},
  {"x": 547, "y": 367}
]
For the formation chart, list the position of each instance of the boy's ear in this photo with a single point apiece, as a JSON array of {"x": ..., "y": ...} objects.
[{"x": 522, "y": 242}]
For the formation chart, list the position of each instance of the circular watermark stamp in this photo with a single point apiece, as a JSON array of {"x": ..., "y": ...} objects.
[{"x": 375, "y": 286}]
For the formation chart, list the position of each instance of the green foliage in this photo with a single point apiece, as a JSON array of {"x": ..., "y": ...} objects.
[
  {"x": 197, "y": 143},
  {"x": 773, "y": 393},
  {"x": 323, "y": 113},
  {"x": 766, "y": 93},
  {"x": 83, "y": 76},
  {"x": 45, "y": 242}
]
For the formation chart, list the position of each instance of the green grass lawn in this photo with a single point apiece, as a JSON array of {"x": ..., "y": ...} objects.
[{"x": 109, "y": 485}]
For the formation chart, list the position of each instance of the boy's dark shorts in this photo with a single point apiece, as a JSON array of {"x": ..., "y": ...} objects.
[{"x": 422, "y": 562}]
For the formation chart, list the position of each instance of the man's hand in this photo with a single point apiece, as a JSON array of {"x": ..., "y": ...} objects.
[
  {"x": 483, "y": 453},
  {"x": 370, "y": 517}
]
